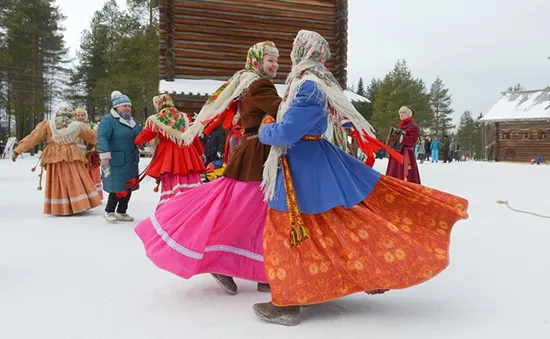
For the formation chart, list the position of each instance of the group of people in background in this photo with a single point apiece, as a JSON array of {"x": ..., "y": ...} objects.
[
  {"x": 293, "y": 211},
  {"x": 427, "y": 149}
]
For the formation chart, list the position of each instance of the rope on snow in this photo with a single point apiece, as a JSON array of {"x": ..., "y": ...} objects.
[{"x": 505, "y": 202}]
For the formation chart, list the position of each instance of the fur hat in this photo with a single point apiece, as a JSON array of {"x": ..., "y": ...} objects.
[
  {"x": 119, "y": 99},
  {"x": 408, "y": 110}
]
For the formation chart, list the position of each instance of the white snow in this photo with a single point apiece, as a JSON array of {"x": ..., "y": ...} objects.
[
  {"x": 80, "y": 278},
  {"x": 208, "y": 86},
  {"x": 522, "y": 105}
]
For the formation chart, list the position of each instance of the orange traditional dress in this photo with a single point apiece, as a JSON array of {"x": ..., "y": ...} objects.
[
  {"x": 69, "y": 188},
  {"x": 176, "y": 166},
  {"x": 335, "y": 226}
]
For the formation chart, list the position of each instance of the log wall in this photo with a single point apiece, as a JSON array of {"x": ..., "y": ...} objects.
[
  {"x": 522, "y": 141},
  {"x": 210, "y": 38}
]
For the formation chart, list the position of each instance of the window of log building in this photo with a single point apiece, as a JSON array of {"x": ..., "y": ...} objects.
[
  {"x": 524, "y": 134},
  {"x": 535, "y": 134},
  {"x": 505, "y": 134},
  {"x": 544, "y": 134}
]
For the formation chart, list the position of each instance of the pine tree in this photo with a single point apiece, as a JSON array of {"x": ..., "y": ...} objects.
[
  {"x": 469, "y": 135},
  {"x": 371, "y": 95},
  {"x": 397, "y": 89},
  {"x": 32, "y": 58},
  {"x": 119, "y": 52},
  {"x": 361, "y": 88},
  {"x": 440, "y": 103}
]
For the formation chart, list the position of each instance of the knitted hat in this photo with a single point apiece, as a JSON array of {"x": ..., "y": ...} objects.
[
  {"x": 119, "y": 99},
  {"x": 408, "y": 110}
]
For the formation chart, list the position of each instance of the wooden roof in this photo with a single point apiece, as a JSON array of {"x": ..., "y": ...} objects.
[{"x": 209, "y": 39}]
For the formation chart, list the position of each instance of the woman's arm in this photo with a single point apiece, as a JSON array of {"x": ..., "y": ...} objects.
[
  {"x": 308, "y": 107},
  {"x": 264, "y": 94},
  {"x": 33, "y": 139},
  {"x": 104, "y": 134},
  {"x": 145, "y": 136}
]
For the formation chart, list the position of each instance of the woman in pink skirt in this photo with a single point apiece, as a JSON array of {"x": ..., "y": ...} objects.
[
  {"x": 176, "y": 166},
  {"x": 217, "y": 228}
]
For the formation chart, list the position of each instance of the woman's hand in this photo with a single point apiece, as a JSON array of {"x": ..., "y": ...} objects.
[
  {"x": 14, "y": 156},
  {"x": 105, "y": 163}
]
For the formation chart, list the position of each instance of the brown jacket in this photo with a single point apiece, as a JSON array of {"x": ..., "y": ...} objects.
[
  {"x": 54, "y": 152},
  {"x": 247, "y": 163}
]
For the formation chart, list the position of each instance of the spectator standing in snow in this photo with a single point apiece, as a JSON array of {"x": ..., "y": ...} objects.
[
  {"x": 422, "y": 150},
  {"x": 119, "y": 156},
  {"x": 435, "y": 144}
]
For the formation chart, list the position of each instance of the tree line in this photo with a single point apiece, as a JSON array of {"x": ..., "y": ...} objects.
[
  {"x": 119, "y": 51},
  {"x": 433, "y": 107}
]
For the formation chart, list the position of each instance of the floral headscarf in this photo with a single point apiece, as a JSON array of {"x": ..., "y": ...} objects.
[
  {"x": 64, "y": 127},
  {"x": 224, "y": 100},
  {"x": 168, "y": 121},
  {"x": 309, "y": 53},
  {"x": 63, "y": 117}
]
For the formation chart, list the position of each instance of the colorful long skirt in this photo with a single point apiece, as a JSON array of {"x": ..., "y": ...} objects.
[
  {"x": 214, "y": 228},
  {"x": 69, "y": 189},
  {"x": 396, "y": 238},
  {"x": 173, "y": 185}
]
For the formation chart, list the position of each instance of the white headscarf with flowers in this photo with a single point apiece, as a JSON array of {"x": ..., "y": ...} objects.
[
  {"x": 64, "y": 128},
  {"x": 233, "y": 89},
  {"x": 309, "y": 53}
]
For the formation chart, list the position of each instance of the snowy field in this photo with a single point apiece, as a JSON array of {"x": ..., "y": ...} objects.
[{"x": 78, "y": 277}]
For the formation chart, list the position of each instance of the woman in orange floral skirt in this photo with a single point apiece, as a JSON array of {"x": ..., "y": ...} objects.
[
  {"x": 335, "y": 226},
  {"x": 69, "y": 188}
]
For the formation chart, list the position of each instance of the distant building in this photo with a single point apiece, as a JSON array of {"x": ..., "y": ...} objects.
[{"x": 522, "y": 126}]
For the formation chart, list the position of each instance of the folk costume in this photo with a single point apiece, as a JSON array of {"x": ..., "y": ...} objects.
[
  {"x": 177, "y": 167},
  {"x": 335, "y": 226},
  {"x": 408, "y": 170},
  {"x": 69, "y": 188},
  {"x": 91, "y": 154},
  {"x": 217, "y": 227}
]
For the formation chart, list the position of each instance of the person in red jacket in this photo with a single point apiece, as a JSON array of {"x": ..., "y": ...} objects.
[
  {"x": 175, "y": 166},
  {"x": 408, "y": 170}
]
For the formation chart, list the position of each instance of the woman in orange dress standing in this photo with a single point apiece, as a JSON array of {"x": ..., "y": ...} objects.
[{"x": 69, "y": 188}]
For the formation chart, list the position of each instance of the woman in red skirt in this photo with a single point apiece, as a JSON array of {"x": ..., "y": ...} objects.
[{"x": 175, "y": 166}]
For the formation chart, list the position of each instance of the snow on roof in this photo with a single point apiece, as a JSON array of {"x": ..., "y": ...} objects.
[
  {"x": 207, "y": 87},
  {"x": 521, "y": 105}
]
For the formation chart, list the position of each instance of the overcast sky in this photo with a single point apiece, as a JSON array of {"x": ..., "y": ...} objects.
[{"x": 478, "y": 47}]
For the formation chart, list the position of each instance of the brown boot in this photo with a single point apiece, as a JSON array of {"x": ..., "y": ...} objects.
[
  {"x": 263, "y": 287},
  {"x": 227, "y": 283},
  {"x": 288, "y": 316}
]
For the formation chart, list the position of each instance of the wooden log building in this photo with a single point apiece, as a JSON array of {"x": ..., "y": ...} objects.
[
  {"x": 522, "y": 126},
  {"x": 204, "y": 42}
]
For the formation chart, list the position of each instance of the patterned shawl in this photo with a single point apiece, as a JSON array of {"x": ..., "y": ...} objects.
[
  {"x": 170, "y": 122},
  {"x": 309, "y": 53},
  {"x": 222, "y": 104},
  {"x": 64, "y": 128}
]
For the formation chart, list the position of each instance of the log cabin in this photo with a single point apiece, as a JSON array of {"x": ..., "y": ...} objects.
[
  {"x": 522, "y": 126},
  {"x": 203, "y": 43}
]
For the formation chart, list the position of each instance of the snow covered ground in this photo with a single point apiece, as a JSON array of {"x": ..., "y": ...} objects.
[{"x": 78, "y": 277}]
